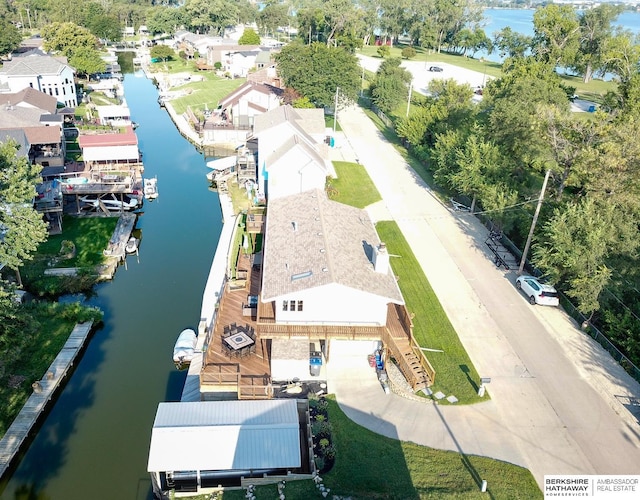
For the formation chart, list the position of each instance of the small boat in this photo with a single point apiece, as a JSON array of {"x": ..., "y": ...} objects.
[
  {"x": 151, "y": 188},
  {"x": 185, "y": 347},
  {"x": 132, "y": 245}
]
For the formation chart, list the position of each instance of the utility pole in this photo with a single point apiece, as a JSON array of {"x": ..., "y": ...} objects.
[
  {"x": 409, "y": 99},
  {"x": 533, "y": 223},
  {"x": 335, "y": 112},
  {"x": 362, "y": 84}
]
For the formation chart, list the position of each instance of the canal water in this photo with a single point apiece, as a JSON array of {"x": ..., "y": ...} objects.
[{"x": 94, "y": 442}]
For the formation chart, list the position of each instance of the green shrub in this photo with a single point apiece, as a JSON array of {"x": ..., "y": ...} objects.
[{"x": 408, "y": 53}]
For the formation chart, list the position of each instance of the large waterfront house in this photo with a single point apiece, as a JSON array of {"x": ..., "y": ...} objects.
[
  {"x": 250, "y": 99},
  {"x": 51, "y": 75}
]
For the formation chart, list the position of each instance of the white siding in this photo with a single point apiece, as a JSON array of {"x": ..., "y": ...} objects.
[
  {"x": 111, "y": 153},
  {"x": 333, "y": 304},
  {"x": 294, "y": 173}
]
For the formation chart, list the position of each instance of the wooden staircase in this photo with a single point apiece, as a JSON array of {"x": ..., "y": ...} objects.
[{"x": 403, "y": 347}]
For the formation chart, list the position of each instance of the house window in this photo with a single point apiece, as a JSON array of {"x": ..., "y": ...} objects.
[
  {"x": 56, "y": 89},
  {"x": 299, "y": 305},
  {"x": 292, "y": 305},
  {"x": 285, "y": 305},
  {"x": 64, "y": 91},
  {"x": 31, "y": 84}
]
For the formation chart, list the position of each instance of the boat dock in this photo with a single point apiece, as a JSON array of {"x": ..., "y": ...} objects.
[
  {"x": 115, "y": 251},
  {"x": 43, "y": 391}
]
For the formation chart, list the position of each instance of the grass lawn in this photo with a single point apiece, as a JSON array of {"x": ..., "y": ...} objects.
[
  {"x": 209, "y": 91},
  {"x": 55, "y": 322},
  {"x": 594, "y": 90},
  {"x": 455, "y": 374},
  {"x": 353, "y": 186},
  {"x": 369, "y": 465},
  {"x": 90, "y": 235}
]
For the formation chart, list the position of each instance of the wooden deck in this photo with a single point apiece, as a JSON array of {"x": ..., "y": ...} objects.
[
  {"x": 43, "y": 391},
  {"x": 250, "y": 376}
]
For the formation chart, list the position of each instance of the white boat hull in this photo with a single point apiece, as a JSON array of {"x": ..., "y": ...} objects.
[{"x": 185, "y": 347}]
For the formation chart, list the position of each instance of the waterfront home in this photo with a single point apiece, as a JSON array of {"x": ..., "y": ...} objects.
[
  {"x": 114, "y": 115},
  {"x": 307, "y": 165},
  {"x": 323, "y": 279},
  {"x": 250, "y": 99},
  {"x": 51, "y": 75},
  {"x": 110, "y": 149}
]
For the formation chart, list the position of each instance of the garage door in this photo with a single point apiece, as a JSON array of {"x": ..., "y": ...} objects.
[{"x": 341, "y": 349}]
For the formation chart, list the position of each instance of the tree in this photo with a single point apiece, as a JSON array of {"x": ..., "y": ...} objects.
[
  {"x": 510, "y": 43},
  {"x": 10, "y": 37},
  {"x": 391, "y": 85},
  {"x": 408, "y": 53},
  {"x": 105, "y": 27},
  {"x": 206, "y": 16},
  {"x": 384, "y": 51},
  {"x": 87, "y": 61},
  {"x": 315, "y": 71},
  {"x": 249, "y": 37},
  {"x": 165, "y": 20},
  {"x": 557, "y": 34},
  {"x": 65, "y": 38},
  {"x": 595, "y": 31},
  {"x": 513, "y": 103},
  {"x": 272, "y": 17},
  {"x": 574, "y": 247},
  {"x": 21, "y": 226},
  {"x": 163, "y": 52}
]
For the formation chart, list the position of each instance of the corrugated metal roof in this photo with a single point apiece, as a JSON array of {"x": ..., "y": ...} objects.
[{"x": 225, "y": 435}]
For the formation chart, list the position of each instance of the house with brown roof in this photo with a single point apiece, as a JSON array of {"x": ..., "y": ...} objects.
[{"x": 250, "y": 99}]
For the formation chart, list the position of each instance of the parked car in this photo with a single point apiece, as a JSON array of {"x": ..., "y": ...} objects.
[
  {"x": 112, "y": 201},
  {"x": 437, "y": 69},
  {"x": 537, "y": 292}
]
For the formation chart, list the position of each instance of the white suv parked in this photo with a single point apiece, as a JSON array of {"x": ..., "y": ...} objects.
[{"x": 537, "y": 292}]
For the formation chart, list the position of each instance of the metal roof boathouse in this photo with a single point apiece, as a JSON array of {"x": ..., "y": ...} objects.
[{"x": 204, "y": 446}]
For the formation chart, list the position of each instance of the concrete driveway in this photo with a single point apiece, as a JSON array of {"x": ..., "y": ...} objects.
[{"x": 556, "y": 394}]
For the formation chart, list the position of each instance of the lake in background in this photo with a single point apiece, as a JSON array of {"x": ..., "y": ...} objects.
[{"x": 521, "y": 21}]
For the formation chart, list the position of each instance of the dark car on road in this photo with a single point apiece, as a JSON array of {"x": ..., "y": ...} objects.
[{"x": 437, "y": 69}]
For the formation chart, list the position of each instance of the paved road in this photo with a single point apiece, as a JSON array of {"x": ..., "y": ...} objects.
[{"x": 554, "y": 392}]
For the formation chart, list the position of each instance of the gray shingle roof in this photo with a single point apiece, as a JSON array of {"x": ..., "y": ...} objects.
[
  {"x": 312, "y": 241},
  {"x": 17, "y": 135},
  {"x": 32, "y": 66},
  {"x": 286, "y": 114},
  {"x": 291, "y": 143}
]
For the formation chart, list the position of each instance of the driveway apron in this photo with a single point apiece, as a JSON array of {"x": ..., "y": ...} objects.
[{"x": 546, "y": 410}]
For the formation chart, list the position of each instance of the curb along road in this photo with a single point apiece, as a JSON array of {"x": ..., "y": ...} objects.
[{"x": 556, "y": 390}]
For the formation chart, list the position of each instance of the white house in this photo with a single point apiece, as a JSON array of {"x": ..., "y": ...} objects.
[
  {"x": 271, "y": 131},
  {"x": 114, "y": 115},
  {"x": 44, "y": 73},
  {"x": 249, "y": 100},
  {"x": 324, "y": 264},
  {"x": 295, "y": 167}
]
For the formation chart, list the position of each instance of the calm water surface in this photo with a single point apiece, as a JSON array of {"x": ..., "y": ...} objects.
[
  {"x": 521, "y": 21},
  {"x": 95, "y": 440}
]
